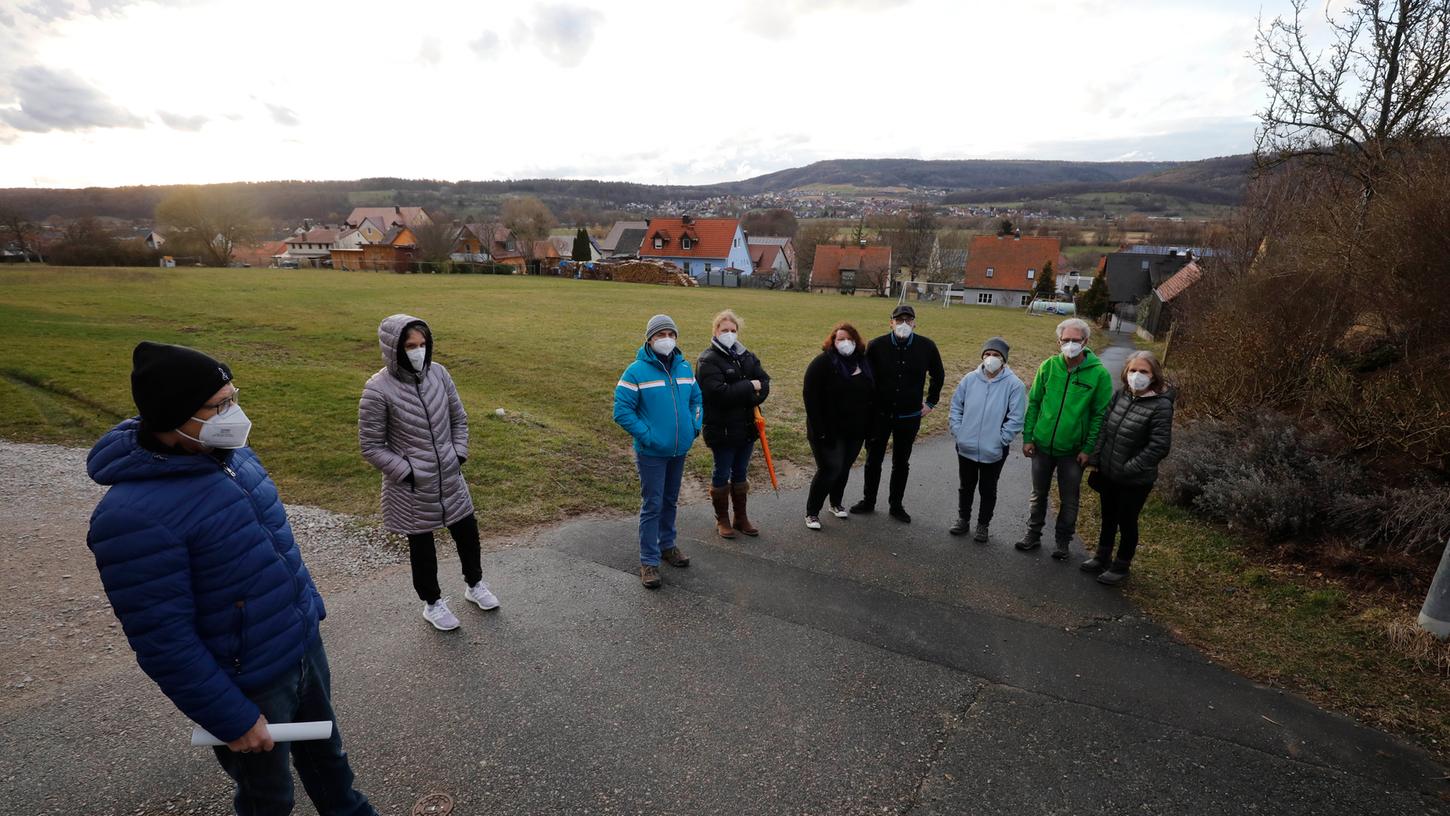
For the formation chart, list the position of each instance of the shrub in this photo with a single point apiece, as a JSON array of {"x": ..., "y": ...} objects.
[{"x": 1268, "y": 476}]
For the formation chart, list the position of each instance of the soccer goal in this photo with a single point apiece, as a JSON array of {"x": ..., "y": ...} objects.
[{"x": 934, "y": 293}]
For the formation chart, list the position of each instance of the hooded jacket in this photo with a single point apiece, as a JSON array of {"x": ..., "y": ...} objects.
[
  {"x": 413, "y": 428},
  {"x": 659, "y": 404},
  {"x": 1136, "y": 435},
  {"x": 1065, "y": 408},
  {"x": 199, "y": 564},
  {"x": 730, "y": 399},
  {"x": 986, "y": 413}
]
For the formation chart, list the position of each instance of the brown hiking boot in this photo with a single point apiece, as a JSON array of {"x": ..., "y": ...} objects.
[
  {"x": 675, "y": 558},
  {"x": 738, "y": 492},
  {"x": 720, "y": 498},
  {"x": 649, "y": 575}
]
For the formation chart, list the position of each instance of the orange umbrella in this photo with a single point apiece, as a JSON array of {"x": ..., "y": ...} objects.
[{"x": 765, "y": 448}]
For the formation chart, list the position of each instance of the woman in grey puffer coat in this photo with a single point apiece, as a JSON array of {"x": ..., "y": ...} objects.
[
  {"x": 412, "y": 427},
  {"x": 1137, "y": 432}
]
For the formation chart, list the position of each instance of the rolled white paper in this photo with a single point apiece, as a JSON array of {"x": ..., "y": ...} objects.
[{"x": 279, "y": 732}]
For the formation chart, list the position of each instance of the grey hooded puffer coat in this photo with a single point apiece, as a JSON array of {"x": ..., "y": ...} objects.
[{"x": 412, "y": 428}]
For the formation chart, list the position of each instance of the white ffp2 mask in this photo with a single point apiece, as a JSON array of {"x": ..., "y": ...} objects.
[
  {"x": 1138, "y": 381},
  {"x": 417, "y": 357},
  {"x": 993, "y": 364},
  {"x": 663, "y": 346},
  {"x": 228, "y": 430}
]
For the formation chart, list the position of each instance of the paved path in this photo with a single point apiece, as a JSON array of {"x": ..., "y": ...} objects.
[{"x": 871, "y": 667}]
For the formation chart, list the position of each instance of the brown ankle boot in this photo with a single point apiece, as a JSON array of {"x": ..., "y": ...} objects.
[
  {"x": 738, "y": 492},
  {"x": 720, "y": 497}
]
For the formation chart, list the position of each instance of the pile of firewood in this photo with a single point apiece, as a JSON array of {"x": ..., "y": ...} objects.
[{"x": 663, "y": 274}]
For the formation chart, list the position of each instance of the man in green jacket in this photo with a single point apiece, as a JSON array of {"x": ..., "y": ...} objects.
[{"x": 1065, "y": 409}]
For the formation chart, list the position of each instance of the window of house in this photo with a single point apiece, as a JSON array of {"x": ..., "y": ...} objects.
[
  {"x": 707, "y": 268},
  {"x": 1025, "y": 300},
  {"x": 684, "y": 243},
  {"x": 1145, "y": 266},
  {"x": 1031, "y": 273},
  {"x": 984, "y": 297},
  {"x": 990, "y": 271},
  {"x": 659, "y": 243}
]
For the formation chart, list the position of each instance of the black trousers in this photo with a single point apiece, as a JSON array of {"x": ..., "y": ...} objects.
[
  {"x": 424, "y": 558},
  {"x": 834, "y": 459},
  {"x": 976, "y": 476},
  {"x": 1121, "y": 505},
  {"x": 901, "y": 433}
]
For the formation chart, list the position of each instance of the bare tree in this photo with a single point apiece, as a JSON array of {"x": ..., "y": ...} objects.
[
  {"x": 208, "y": 222},
  {"x": 436, "y": 239},
  {"x": 912, "y": 238},
  {"x": 529, "y": 220},
  {"x": 23, "y": 232},
  {"x": 1381, "y": 86}
]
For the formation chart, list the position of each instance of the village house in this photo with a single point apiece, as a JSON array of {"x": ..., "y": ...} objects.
[
  {"x": 1002, "y": 270},
  {"x": 697, "y": 245},
  {"x": 624, "y": 238},
  {"x": 850, "y": 270},
  {"x": 1169, "y": 297},
  {"x": 385, "y": 218},
  {"x": 1133, "y": 272},
  {"x": 394, "y": 253},
  {"x": 771, "y": 255},
  {"x": 310, "y": 246},
  {"x": 347, "y": 250}
]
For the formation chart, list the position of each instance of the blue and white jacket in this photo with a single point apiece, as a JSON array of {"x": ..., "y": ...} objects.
[
  {"x": 987, "y": 413},
  {"x": 659, "y": 406},
  {"x": 199, "y": 564}
]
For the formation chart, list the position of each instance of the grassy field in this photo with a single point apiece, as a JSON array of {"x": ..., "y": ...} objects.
[{"x": 548, "y": 351}]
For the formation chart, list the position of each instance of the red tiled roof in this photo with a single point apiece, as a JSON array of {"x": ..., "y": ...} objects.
[
  {"x": 1009, "y": 258},
  {"x": 762, "y": 256},
  {"x": 831, "y": 259},
  {"x": 1180, "y": 282},
  {"x": 258, "y": 254},
  {"x": 710, "y": 237}
]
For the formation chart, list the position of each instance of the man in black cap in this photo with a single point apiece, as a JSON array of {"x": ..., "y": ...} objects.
[
  {"x": 200, "y": 566},
  {"x": 902, "y": 361}
]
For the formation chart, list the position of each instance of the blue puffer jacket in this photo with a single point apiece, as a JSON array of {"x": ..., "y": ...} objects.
[
  {"x": 659, "y": 407},
  {"x": 987, "y": 413},
  {"x": 200, "y": 567}
]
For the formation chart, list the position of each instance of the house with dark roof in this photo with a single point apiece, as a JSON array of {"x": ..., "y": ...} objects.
[
  {"x": 624, "y": 238},
  {"x": 852, "y": 269},
  {"x": 1133, "y": 272},
  {"x": 697, "y": 245},
  {"x": 1002, "y": 270},
  {"x": 1170, "y": 297}
]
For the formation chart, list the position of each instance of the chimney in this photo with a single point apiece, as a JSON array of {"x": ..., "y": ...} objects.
[
  {"x": 685, "y": 219},
  {"x": 1017, "y": 234},
  {"x": 397, "y": 210},
  {"x": 863, "y": 243}
]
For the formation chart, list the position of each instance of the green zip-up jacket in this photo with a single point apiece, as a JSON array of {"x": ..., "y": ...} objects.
[{"x": 1065, "y": 409}]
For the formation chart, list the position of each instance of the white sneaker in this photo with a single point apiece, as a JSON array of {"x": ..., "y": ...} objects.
[
  {"x": 839, "y": 512},
  {"x": 440, "y": 616},
  {"x": 813, "y": 523},
  {"x": 479, "y": 594}
]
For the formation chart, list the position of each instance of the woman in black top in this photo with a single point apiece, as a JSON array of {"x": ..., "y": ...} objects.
[
  {"x": 838, "y": 395},
  {"x": 733, "y": 383},
  {"x": 1136, "y": 434}
]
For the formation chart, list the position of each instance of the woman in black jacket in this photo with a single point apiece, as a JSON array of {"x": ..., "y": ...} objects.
[
  {"x": 732, "y": 383},
  {"x": 1136, "y": 434},
  {"x": 838, "y": 394}
]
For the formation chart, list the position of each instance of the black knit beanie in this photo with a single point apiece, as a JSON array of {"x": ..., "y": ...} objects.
[{"x": 169, "y": 383}]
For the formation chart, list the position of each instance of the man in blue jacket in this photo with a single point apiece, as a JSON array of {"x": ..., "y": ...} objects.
[
  {"x": 658, "y": 402},
  {"x": 987, "y": 412},
  {"x": 199, "y": 564}
]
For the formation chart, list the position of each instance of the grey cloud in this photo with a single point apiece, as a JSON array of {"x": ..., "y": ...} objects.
[
  {"x": 283, "y": 115},
  {"x": 52, "y": 100},
  {"x": 430, "y": 50},
  {"x": 488, "y": 45},
  {"x": 564, "y": 33},
  {"x": 177, "y": 121}
]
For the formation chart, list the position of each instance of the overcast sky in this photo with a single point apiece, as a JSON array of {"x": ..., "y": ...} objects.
[{"x": 111, "y": 92}]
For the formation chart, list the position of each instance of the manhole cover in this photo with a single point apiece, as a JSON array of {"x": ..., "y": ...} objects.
[{"x": 434, "y": 804}]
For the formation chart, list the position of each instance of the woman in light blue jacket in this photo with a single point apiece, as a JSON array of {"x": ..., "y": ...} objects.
[
  {"x": 987, "y": 411},
  {"x": 658, "y": 402}
]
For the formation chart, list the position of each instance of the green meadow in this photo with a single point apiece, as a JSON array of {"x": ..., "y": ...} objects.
[{"x": 548, "y": 351}]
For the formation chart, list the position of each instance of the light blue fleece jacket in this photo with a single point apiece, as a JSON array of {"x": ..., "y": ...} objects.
[{"x": 987, "y": 413}]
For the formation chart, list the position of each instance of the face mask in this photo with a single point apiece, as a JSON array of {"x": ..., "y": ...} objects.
[
  {"x": 1071, "y": 349},
  {"x": 228, "y": 429},
  {"x": 993, "y": 364},
  {"x": 901, "y": 330},
  {"x": 846, "y": 347},
  {"x": 417, "y": 356},
  {"x": 663, "y": 346},
  {"x": 727, "y": 339},
  {"x": 1138, "y": 381}
]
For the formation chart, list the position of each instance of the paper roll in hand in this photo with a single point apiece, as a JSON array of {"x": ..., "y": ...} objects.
[{"x": 279, "y": 732}]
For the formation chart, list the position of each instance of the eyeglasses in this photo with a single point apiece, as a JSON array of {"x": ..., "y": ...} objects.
[
  {"x": 1065, "y": 340},
  {"x": 221, "y": 405}
]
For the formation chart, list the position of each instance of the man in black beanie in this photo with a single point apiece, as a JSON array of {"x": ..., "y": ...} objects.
[{"x": 201, "y": 569}]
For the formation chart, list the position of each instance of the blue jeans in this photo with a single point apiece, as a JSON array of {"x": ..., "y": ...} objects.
[
  {"x": 731, "y": 463},
  {"x": 659, "y": 492},
  {"x": 264, "y": 781}
]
